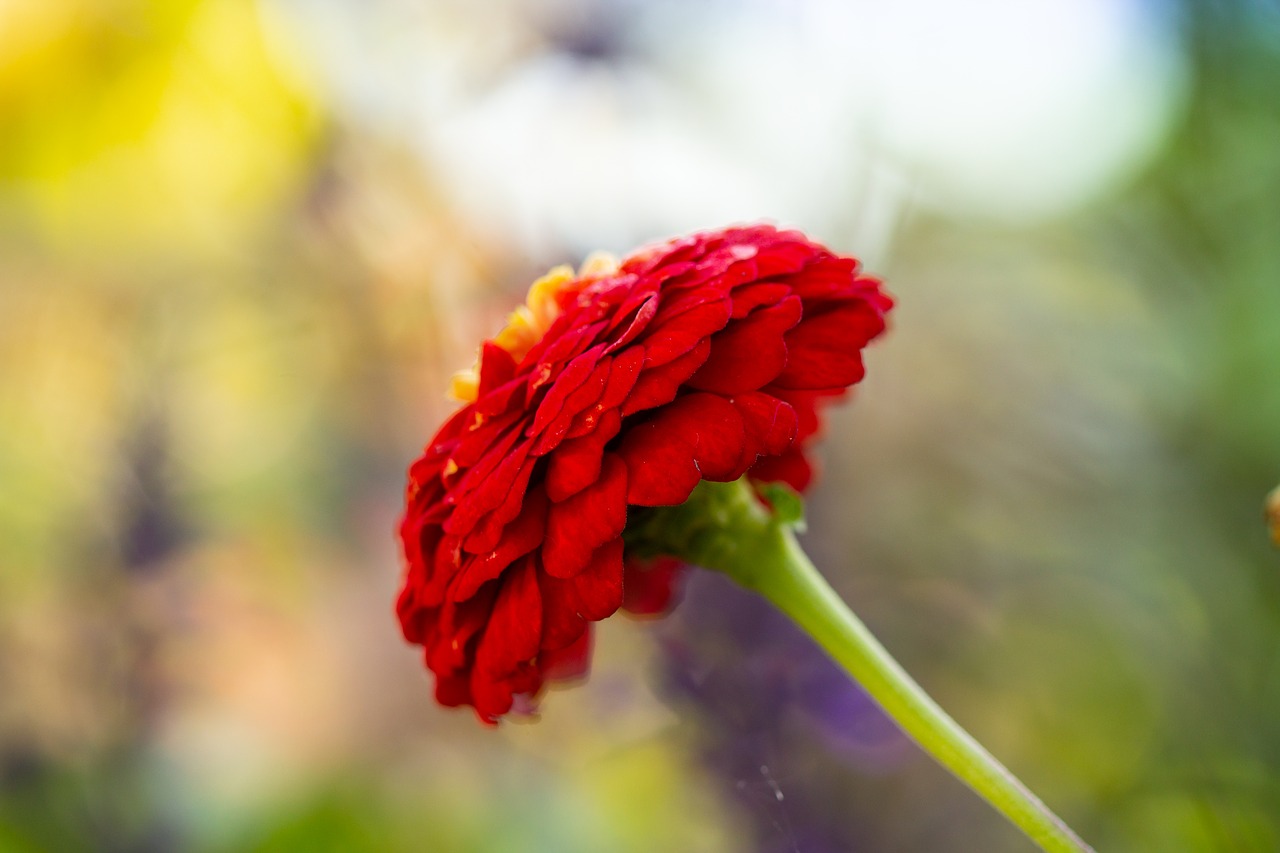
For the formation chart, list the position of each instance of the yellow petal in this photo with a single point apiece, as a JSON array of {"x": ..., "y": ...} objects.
[
  {"x": 521, "y": 333},
  {"x": 598, "y": 265},
  {"x": 542, "y": 296},
  {"x": 465, "y": 386}
]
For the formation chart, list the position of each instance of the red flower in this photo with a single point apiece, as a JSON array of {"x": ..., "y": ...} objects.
[{"x": 703, "y": 358}]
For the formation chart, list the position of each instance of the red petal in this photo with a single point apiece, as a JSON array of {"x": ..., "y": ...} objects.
[
  {"x": 565, "y": 383},
  {"x": 562, "y": 623},
  {"x": 490, "y": 493},
  {"x": 829, "y": 277},
  {"x": 497, "y": 367},
  {"x": 623, "y": 375},
  {"x": 459, "y": 623},
  {"x": 660, "y": 466},
  {"x": 825, "y": 350},
  {"x": 599, "y": 585},
  {"x": 671, "y": 339},
  {"x": 451, "y": 429},
  {"x": 699, "y": 436},
  {"x": 575, "y": 464},
  {"x": 658, "y": 386},
  {"x": 669, "y": 253},
  {"x": 488, "y": 530},
  {"x": 749, "y": 353},
  {"x": 578, "y": 526},
  {"x": 484, "y": 438},
  {"x": 519, "y": 538},
  {"x": 415, "y": 619},
  {"x": 594, "y": 593},
  {"x": 492, "y": 697},
  {"x": 791, "y": 468},
  {"x": 499, "y": 400},
  {"x": 785, "y": 256},
  {"x": 721, "y": 436},
  {"x": 514, "y": 630},
  {"x": 650, "y": 586},
  {"x": 770, "y": 423},
  {"x": 441, "y": 568},
  {"x": 454, "y": 690},
  {"x": 752, "y": 296},
  {"x": 583, "y": 398},
  {"x": 806, "y": 405},
  {"x": 526, "y": 681},
  {"x": 644, "y": 315},
  {"x": 419, "y": 537},
  {"x": 425, "y": 483},
  {"x": 826, "y": 277},
  {"x": 572, "y": 661},
  {"x": 568, "y": 336}
]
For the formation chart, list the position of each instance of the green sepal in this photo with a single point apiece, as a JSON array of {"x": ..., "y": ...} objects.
[
  {"x": 722, "y": 526},
  {"x": 787, "y": 504}
]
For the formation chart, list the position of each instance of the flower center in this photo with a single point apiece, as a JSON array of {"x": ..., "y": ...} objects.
[{"x": 528, "y": 323}]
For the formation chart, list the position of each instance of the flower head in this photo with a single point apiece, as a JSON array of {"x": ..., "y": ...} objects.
[{"x": 623, "y": 385}]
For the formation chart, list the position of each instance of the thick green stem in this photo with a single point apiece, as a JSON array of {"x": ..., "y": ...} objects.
[{"x": 727, "y": 529}]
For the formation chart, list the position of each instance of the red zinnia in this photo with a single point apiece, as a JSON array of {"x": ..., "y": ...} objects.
[{"x": 702, "y": 358}]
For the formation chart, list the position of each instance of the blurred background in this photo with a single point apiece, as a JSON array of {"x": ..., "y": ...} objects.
[{"x": 244, "y": 244}]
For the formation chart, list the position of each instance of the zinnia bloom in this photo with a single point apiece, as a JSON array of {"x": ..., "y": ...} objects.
[{"x": 624, "y": 385}]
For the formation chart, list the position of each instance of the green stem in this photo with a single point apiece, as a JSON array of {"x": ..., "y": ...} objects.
[
  {"x": 728, "y": 530},
  {"x": 795, "y": 587}
]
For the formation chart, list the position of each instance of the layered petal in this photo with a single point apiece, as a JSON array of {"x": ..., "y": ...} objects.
[
  {"x": 706, "y": 357},
  {"x": 580, "y": 524}
]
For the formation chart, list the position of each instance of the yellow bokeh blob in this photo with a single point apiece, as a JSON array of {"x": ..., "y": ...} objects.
[{"x": 128, "y": 121}]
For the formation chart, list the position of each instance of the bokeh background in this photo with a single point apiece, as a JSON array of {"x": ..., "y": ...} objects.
[{"x": 244, "y": 244}]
